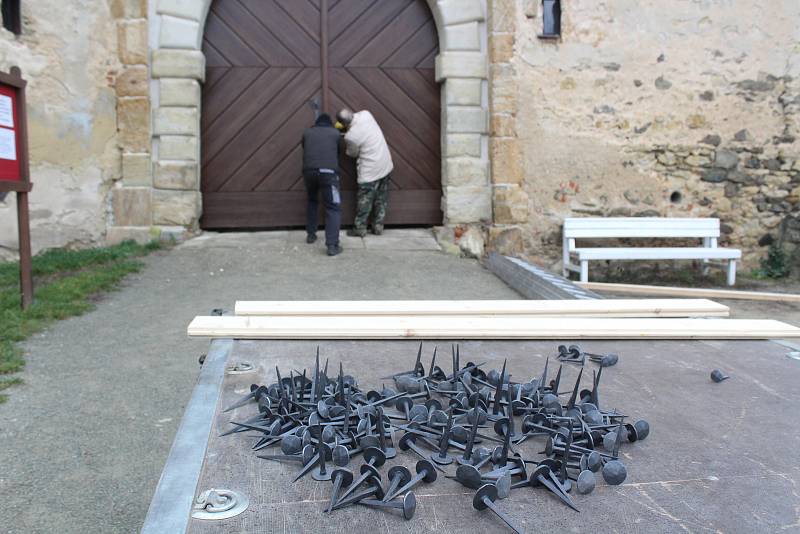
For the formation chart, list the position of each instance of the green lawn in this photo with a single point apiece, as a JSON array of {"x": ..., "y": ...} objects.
[{"x": 65, "y": 284}]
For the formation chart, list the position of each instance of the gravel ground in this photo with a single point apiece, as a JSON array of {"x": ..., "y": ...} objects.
[{"x": 85, "y": 438}]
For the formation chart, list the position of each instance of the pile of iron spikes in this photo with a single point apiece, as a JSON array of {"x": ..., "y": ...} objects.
[{"x": 317, "y": 421}]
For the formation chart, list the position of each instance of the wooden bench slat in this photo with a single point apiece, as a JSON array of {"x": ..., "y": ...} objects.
[{"x": 699, "y": 253}]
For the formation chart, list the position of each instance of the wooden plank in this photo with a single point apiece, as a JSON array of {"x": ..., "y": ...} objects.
[
  {"x": 635, "y": 289},
  {"x": 387, "y": 327},
  {"x": 580, "y": 308}
]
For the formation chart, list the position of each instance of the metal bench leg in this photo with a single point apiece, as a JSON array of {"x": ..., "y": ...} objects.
[
  {"x": 584, "y": 271},
  {"x": 731, "y": 272}
]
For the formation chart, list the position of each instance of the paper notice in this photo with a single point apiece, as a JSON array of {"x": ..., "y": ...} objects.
[
  {"x": 6, "y": 112},
  {"x": 8, "y": 144}
]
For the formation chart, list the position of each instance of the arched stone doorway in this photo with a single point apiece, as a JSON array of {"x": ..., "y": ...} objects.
[
  {"x": 269, "y": 66},
  {"x": 178, "y": 67}
]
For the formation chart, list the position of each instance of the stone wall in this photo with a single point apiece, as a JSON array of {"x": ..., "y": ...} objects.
[
  {"x": 68, "y": 54},
  {"x": 644, "y": 107}
]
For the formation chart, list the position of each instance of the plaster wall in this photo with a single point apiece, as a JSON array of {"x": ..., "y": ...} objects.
[
  {"x": 68, "y": 54},
  {"x": 631, "y": 111}
]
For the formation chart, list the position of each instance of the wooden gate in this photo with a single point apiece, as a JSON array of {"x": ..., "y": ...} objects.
[{"x": 268, "y": 60}]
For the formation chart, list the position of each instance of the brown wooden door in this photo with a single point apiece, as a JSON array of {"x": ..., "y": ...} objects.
[{"x": 267, "y": 59}]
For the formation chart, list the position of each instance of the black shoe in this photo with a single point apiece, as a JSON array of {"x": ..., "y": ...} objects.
[
  {"x": 311, "y": 238},
  {"x": 355, "y": 232},
  {"x": 377, "y": 229},
  {"x": 334, "y": 250}
]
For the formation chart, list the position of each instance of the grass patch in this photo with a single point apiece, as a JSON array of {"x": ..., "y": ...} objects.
[{"x": 65, "y": 282}]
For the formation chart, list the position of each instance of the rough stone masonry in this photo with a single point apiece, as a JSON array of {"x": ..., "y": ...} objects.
[{"x": 688, "y": 108}]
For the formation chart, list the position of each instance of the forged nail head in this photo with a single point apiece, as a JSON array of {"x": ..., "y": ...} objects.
[
  {"x": 340, "y": 456},
  {"x": 503, "y": 485},
  {"x": 442, "y": 460},
  {"x": 374, "y": 456},
  {"x": 614, "y": 472},
  {"x": 468, "y": 476},
  {"x": 608, "y": 441},
  {"x": 485, "y": 492},
  {"x": 424, "y": 466},
  {"x": 717, "y": 376},
  {"x": 371, "y": 469},
  {"x": 345, "y": 475},
  {"x": 291, "y": 444},
  {"x": 317, "y": 474},
  {"x": 409, "y": 505},
  {"x": 642, "y": 429},
  {"x": 609, "y": 360},
  {"x": 594, "y": 461},
  {"x": 586, "y": 482},
  {"x": 402, "y": 472}
]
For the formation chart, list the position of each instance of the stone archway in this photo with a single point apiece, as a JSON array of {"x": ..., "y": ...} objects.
[{"x": 178, "y": 70}]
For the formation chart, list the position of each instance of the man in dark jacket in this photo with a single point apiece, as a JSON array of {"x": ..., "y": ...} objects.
[{"x": 320, "y": 164}]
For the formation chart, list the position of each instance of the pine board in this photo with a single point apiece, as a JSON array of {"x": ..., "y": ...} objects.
[
  {"x": 551, "y": 308},
  {"x": 387, "y": 327},
  {"x": 688, "y": 292}
]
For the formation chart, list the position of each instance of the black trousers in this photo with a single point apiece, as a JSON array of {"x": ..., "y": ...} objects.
[{"x": 326, "y": 184}]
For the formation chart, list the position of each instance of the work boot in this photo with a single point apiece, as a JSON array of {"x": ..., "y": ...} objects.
[
  {"x": 355, "y": 232},
  {"x": 334, "y": 250},
  {"x": 377, "y": 229},
  {"x": 311, "y": 238}
]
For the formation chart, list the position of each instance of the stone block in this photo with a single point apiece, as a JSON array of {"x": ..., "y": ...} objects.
[
  {"x": 465, "y": 119},
  {"x": 178, "y": 64},
  {"x": 128, "y": 9},
  {"x": 464, "y": 91},
  {"x": 136, "y": 170},
  {"x": 188, "y": 9},
  {"x": 133, "y": 123},
  {"x": 504, "y": 89},
  {"x": 472, "y": 242},
  {"x": 462, "y": 145},
  {"x": 503, "y": 125},
  {"x": 503, "y": 16},
  {"x": 461, "y": 65},
  {"x": 460, "y": 11},
  {"x": 461, "y": 37},
  {"x": 506, "y": 156},
  {"x": 132, "y": 41},
  {"x": 178, "y": 147},
  {"x": 179, "y": 33},
  {"x": 178, "y": 92},
  {"x": 117, "y": 234},
  {"x": 726, "y": 159},
  {"x": 510, "y": 205},
  {"x": 501, "y": 47},
  {"x": 468, "y": 204},
  {"x": 176, "y": 121},
  {"x": 176, "y": 208},
  {"x": 132, "y": 206},
  {"x": 176, "y": 175},
  {"x": 461, "y": 172},
  {"x": 133, "y": 81},
  {"x": 506, "y": 240}
]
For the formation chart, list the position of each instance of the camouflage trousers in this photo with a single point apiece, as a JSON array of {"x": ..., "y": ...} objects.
[{"x": 372, "y": 198}]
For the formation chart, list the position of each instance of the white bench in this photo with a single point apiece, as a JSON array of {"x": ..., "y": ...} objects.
[{"x": 643, "y": 227}]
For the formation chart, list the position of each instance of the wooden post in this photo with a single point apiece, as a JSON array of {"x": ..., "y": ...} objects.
[
  {"x": 17, "y": 178},
  {"x": 24, "y": 228}
]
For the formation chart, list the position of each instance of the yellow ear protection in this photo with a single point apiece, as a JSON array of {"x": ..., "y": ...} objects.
[{"x": 339, "y": 126}]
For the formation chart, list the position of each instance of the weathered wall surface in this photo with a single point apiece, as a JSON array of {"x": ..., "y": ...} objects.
[
  {"x": 67, "y": 52},
  {"x": 687, "y": 108}
]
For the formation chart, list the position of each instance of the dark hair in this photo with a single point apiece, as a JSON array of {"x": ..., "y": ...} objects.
[{"x": 324, "y": 120}]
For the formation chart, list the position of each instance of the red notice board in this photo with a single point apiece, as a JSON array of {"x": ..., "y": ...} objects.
[
  {"x": 9, "y": 141},
  {"x": 13, "y": 133}
]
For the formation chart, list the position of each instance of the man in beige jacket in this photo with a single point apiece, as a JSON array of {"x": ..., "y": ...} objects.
[{"x": 365, "y": 141}]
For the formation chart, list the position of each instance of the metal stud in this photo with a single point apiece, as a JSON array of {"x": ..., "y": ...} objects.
[
  {"x": 408, "y": 505},
  {"x": 485, "y": 497}
]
